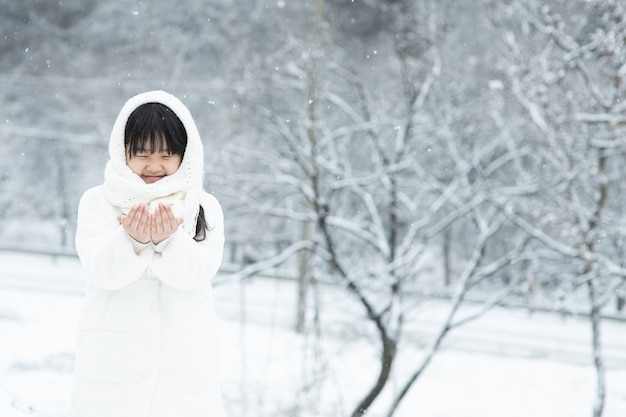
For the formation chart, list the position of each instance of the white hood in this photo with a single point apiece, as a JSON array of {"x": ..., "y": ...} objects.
[{"x": 124, "y": 189}]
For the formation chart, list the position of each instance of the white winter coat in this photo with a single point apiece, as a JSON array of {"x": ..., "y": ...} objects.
[{"x": 147, "y": 337}]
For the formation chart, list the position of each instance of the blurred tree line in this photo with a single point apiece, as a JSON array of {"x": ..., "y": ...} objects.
[{"x": 404, "y": 149}]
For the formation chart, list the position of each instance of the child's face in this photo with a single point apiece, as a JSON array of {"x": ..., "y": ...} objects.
[{"x": 151, "y": 167}]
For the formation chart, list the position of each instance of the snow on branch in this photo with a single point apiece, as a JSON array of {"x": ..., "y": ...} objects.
[
  {"x": 430, "y": 79},
  {"x": 354, "y": 181},
  {"x": 485, "y": 308},
  {"x": 437, "y": 227},
  {"x": 345, "y": 106},
  {"x": 282, "y": 257},
  {"x": 288, "y": 214},
  {"x": 403, "y": 259},
  {"x": 599, "y": 118},
  {"x": 495, "y": 266},
  {"x": 539, "y": 234},
  {"x": 533, "y": 110},
  {"x": 375, "y": 241}
]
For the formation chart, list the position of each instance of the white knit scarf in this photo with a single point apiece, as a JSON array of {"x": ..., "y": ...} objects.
[{"x": 124, "y": 189}]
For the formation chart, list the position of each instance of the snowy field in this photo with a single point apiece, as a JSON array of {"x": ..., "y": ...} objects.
[{"x": 507, "y": 364}]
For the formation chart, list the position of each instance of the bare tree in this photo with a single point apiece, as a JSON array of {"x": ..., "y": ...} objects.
[
  {"x": 566, "y": 62},
  {"x": 382, "y": 182}
]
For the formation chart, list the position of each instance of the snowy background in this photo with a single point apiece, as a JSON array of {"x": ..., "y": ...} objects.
[
  {"x": 411, "y": 187},
  {"x": 509, "y": 363}
]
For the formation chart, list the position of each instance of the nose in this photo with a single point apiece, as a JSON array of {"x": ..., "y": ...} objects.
[{"x": 153, "y": 165}]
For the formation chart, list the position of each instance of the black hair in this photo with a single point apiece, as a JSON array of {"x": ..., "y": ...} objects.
[{"x": 154, "y": 127}]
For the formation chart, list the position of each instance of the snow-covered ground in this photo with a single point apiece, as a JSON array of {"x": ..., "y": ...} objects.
[{"x": 507, "y": 364}]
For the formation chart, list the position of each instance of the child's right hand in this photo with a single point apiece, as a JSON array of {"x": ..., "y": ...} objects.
[{"x": 137, "y": 223}]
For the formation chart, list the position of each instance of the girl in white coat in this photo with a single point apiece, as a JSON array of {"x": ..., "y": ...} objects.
[{"x": 150, "y": 240}]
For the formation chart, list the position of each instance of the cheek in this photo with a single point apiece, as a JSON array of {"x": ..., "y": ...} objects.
[
  {"x": 173, "y": 165},
  {"x": 134, "y": 166}
]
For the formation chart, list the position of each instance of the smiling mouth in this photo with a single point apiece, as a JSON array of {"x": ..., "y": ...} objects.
[{"x": 151, "y": 178}]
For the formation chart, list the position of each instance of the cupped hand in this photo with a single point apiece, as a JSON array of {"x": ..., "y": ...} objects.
[
  {"x": 137, "y": 223},
  {"x": 163, "y": 223}
]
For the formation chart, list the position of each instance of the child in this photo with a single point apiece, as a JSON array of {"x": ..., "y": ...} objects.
[{"x": 150, "y": 240}]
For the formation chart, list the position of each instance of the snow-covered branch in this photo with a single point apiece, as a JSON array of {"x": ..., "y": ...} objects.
[
  {"x": 272, "y": 262},
  {"x": 540, "y": 234}
]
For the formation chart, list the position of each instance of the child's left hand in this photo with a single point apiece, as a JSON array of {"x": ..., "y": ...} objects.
[{"x": 163, "y": 223}]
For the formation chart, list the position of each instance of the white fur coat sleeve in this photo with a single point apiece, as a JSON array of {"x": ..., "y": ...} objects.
[{"x": 112, "y": 262}]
